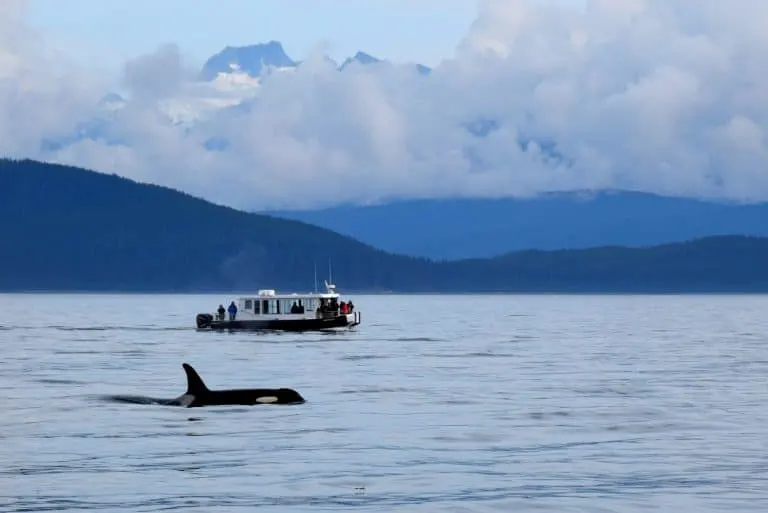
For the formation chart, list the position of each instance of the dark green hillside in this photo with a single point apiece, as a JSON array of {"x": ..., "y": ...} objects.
[
  {"x": 66, "y": 228},
  {"x": 711, "y": 264}
]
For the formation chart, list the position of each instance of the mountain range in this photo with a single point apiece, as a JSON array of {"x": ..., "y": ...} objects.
[
  {"x": 71, "y": 229},
  {"x": 456, "y": 228},
  {"x": 264, "y": 58}
]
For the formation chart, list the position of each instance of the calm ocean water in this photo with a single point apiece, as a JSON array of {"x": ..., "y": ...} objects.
[{"x": 436, "y": 403}]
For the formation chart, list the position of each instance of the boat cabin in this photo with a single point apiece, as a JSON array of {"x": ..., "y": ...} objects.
[
  {"x": 310, "y": 305},
  {"x": 292, "y": 312}
]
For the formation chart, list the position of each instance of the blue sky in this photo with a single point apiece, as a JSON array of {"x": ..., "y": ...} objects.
[{"x": 113, "y": 30}]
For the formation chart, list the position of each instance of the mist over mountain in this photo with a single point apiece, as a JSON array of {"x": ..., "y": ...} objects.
[{"x": 657, "y": 96}]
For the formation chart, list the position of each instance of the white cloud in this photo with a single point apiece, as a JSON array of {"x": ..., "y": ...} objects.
[
  {"x": 668, "y": 96},
  {"x": 156, "y": 76}
]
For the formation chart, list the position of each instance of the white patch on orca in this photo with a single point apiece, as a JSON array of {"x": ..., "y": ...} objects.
[
  {"x": 267, "y": 399},
  {"x": 186, "y": 399}
]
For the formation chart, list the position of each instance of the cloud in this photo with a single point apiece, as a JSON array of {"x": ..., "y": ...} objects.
[
  {"x": 41, "y": 92},
  {"x": 666, "y": 96},
  {"x": 155, "y": 76}
]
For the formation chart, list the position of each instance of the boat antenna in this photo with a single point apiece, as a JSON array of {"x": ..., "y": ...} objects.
[
  {"x": 315, "y": 262},
  {"x": 330, "y": 274}
]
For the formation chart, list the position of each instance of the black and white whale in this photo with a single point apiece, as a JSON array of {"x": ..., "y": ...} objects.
[{"x": 198, "y": 394}]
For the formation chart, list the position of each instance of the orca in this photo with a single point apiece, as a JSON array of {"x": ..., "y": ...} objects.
[{"x": 198, "y": 395}]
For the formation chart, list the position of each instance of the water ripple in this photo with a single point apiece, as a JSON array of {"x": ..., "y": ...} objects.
[{"x": 546, "y": 403}]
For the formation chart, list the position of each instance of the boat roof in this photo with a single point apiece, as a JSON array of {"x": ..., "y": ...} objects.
[
  {"x": 272, "y": 294},
  {"x": 293, "y": 295}
]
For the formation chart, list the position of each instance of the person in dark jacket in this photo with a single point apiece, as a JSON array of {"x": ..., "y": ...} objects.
[
  {"x": 221, "y": 312},
  {"x": 232, "y": 311}
]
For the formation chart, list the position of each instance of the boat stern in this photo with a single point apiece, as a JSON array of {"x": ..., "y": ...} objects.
[
  {"x": 203, "y": 321},
  {"x": 353, "y": 318}
]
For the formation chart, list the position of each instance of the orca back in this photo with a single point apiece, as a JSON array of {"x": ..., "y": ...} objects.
[{"x": 198, "y": 394}]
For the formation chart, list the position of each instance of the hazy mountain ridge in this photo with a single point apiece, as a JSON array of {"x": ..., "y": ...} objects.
[
  {"x": 260, "y": 59},
  {"x": 475, "y": 227}
]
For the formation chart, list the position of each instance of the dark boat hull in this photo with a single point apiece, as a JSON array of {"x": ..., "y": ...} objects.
[{"x": 206, "y": 322}]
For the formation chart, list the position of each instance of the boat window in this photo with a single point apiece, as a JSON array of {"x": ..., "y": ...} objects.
[
  {"x": 287, "y": 304},
  {"x": 256, "y": 308},
  {"x": 265, "y": 306},
  {"x": 248, "y": 304},
  {"x": 272, "y": 306}
]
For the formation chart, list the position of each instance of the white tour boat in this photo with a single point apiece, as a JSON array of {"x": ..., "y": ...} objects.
[{"x": 311, "y": 311}]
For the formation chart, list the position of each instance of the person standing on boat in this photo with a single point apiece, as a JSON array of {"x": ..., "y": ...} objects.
[
  {"x": 232, "y": 311},
  {"x": 221, "y": 312}
]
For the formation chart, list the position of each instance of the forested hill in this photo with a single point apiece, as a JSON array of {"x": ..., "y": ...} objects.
[
  {"x": 69, "y": 229},
  {"x": 72, "y": 229}
]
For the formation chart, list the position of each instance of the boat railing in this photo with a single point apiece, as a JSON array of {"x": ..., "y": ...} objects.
[
  {"x": 323, "y": 314},
  {"x": 329, "y": 314}
]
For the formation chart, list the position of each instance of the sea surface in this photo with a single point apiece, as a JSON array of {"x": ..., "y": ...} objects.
[{"x": 494, "y": 403}]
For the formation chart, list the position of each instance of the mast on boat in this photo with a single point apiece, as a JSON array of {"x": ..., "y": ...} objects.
[{"x": 330, "y": 287}]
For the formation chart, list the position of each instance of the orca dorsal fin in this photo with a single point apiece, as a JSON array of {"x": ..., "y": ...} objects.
[{"x": 195, "y": 384}]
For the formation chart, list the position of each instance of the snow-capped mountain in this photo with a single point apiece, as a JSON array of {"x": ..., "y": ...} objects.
[
  {"x": 365, "y": 59},
  {"x": 230, "y": 79},
  {"x": 253, "y": 60},
  {"x": 359, "y": 58},
  {"x": 111, "y": 102}
]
